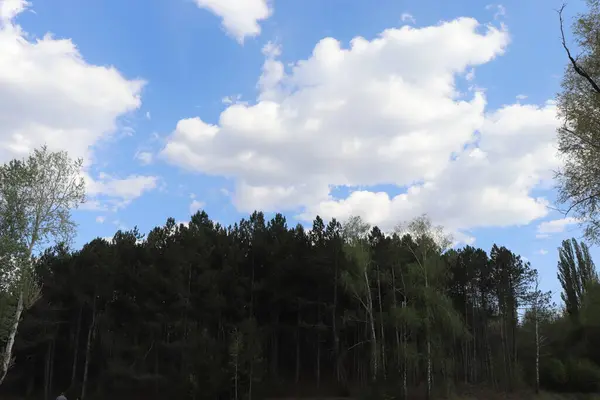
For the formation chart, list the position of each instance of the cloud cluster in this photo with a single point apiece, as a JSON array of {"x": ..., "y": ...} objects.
[
  {"x": 383, "y": 111},
  {"x": 240, "y": 17},
  {"x": 50, "y": 95}
]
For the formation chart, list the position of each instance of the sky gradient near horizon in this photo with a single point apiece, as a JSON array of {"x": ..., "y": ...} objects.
[{"x": 383, "y": 109}]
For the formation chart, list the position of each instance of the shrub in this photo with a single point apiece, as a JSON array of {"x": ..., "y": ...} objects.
[
  {"x": 553, "y": 374},
  {"x": 583, "y": 376}
]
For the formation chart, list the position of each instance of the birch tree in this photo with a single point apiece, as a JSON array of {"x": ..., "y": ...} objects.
[
  {"x": 540, "y": 302},
  {"x": 427, "y": 244},
  {"x": 37, "y": 195},
  {"x": 357, "y": 279}
]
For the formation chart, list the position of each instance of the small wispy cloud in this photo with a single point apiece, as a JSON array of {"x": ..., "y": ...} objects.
[
  {"x": 144, "y": 157},
  {"x": 235, "y": 99},
  {"x": 546, "y": 228},
  {"x": 407, "y": 17},
  {"x": 470, "y": 75},
  {"x": 195, "y": 206},
  {"x": 500, "y": 10}
]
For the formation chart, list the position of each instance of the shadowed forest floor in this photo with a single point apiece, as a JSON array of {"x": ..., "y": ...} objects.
[
  {"x": 483, "y": 395},
  {"x": 474, "y": 394}
]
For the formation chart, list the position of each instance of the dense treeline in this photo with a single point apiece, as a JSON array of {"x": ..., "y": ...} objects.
[{"x": 259, "y": 308}]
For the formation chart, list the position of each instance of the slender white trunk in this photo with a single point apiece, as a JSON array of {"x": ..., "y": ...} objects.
[
  {"x": 398, "y": 363},
  {"x": 374, "y": 362},
  {"x": 76, "y": 351},
  {"x": 537, "y": 355},
  {"x": 381, "y": 323},
  {"x": 404, "y": 345},
  {"x": 405, "y": 356},
  {"x": 428, "y": 338},
  {"x": 7, "y": 356},
  {"x": 88, "y": 350}
]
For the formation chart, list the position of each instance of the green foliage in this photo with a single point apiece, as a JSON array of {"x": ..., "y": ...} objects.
[
  {"x": 583, "y": 376},
  {"x": 590, "y": 306},
  {"x": 37, "y": 195},
  {"x": 576, "y": 272},
  {"x": 260, "y": 308},
  {"x": 553, "y": 374},
  {"x": 255, "y": 305},
  {"x": 578, "y": 138}
]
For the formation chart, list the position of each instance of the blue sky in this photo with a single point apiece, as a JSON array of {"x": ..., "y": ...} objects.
[{"x": 181, "y": 104}]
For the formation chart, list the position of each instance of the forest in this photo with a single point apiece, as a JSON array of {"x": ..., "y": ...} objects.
[{"x": 261, "y": 309}]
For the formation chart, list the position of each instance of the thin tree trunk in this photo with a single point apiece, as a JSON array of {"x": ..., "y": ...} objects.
[
  {"x": 88, "y": 349},
  {"x": 537, "y": 354},
  {"x": 505, "y": 353},
  {"x": 474, "y": 372},
  {"x": 465, "y": 356},
  {"x": 466, "y": 340},
  {"x": 381, "y": 323},
  {"x": 7, "y": 356},
  {"x": 537, "y": 337},
  {"x": 298, "y": 345},
  {"x": 76, "y": 345},
  {"x": 184, "y": 348},
  {"x": 336, "y": 339},
  {"x": 514, "y": 352},
  {"x": 429, "y": 378},
  {"x": 404, "y": 342},
  {"x": 47, "y": 372},
  {"x": 398, "y": 362},
  {"x": 488, "y": 348},
  {"x": 235, "y": 378},
  {"x": 274, "y": 342},
  {"x": 251, "y": 379},
  {"x": 52, "y": 354},
  {"x": 374, "y": 363},
  {"x": 318, "y": 371},
  {"x": 488, "y": 362},
  {"x": 251, "y": 316},
  {"x": 428, "y": 339}
]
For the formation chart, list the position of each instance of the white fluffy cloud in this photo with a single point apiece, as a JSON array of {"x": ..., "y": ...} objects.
[
  {"x": 547, "y": 228},
  {"x": 240, "y": 17},
  {"x": 384, "y": 111},
  {"x": 112, "y": 193},
  {"x": 50, "y": 95}
]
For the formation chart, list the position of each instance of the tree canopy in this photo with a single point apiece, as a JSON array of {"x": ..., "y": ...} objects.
[
  {"x": 579, "y": 109},
  {"x": 262, "y": 309}
]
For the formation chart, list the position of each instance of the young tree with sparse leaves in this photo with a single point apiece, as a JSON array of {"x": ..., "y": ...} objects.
[{"x": 37, "y": 195}]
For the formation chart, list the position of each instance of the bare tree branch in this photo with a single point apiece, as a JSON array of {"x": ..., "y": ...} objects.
[{"x": 578, "y": 68}]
